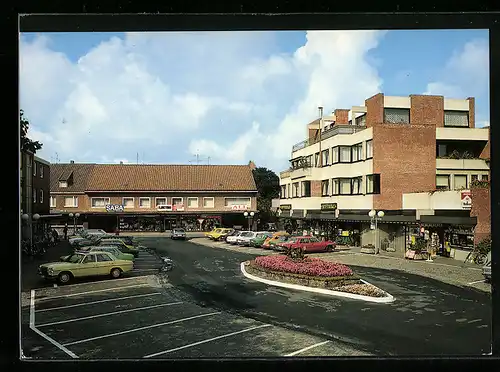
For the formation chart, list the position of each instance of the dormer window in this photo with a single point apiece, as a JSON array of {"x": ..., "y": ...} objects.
[{"x": 63, "y": 183}]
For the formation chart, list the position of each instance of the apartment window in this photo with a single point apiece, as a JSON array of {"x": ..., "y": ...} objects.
[
  {"x": 373, "y": 184},
  {"x": 441, "y": 150},
  {"x": 309, "y": 160},
  {"x": 443, "y": 182},
  {"x": 484, "y": 177},
  {"x": 208, "y": 202},
  {"x": 63, "y": 184},
  {"x": 361, "y": 120},
  {"x": 128, "y": 202},
  {"x": 316, "y": 159},
  {"x": 396, "y": 116},
  {"x": 345, "y": 186},
  {"x": 460, "y": 181},
  {"x": 41, "y": 196},
  {"x": 295, "y": 190},
  {"x": 289, "y": 190},
  {"x": 306, "y": 189},
  {"x": 177, "y": 201},
  {"x": 456, "y": 118},
  {"x": 325, "y": 186},
  {"x": 160, "y": 201},
  {"x": 41, "y": 170},
  {"x": 326, "y": 157},
  {"x": 192, "y": 202},
  {"x": 345, "y": 154},
  {"x": 229, "y": 202},
  {"x": 283, "y": 191},
  {"x": 357, "y": 152},
  {"x": 34, "y": 195},
  {"x": 34, "y": 168},
  {"x": 72, "y": 201},
  {"x": 53, "y": 202},
  {"x": 335, "y": 154},
  {"x": 144, "y": 202},
  {"x": 369, "y": 149},
  {"x": 357, "y": 185},
  {"x": 335, "y": 186},
  {"x": 474, "y": 177}
]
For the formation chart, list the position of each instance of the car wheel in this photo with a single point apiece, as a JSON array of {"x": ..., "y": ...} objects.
[
  {"x": 329, "y": 248},
  {"x": 115, "y": 273},
  {"x": 64, "y": 277}
]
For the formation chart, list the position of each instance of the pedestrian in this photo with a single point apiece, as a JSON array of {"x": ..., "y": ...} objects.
[
  {"x": 65, "y": 231},
  {"x": 55, "y": 235}
]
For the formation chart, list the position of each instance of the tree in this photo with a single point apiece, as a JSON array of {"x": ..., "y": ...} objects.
[
  {"x": 26, "y": 143},
  {"x": 268, "y": 187}
]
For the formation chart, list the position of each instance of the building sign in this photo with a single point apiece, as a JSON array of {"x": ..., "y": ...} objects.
[
  {"x": 165, "y": 207},
  {"x": 200, "y": 220},
  {"x": 328, "y": 206},
  {"x": 178, "y": 207},
  {"x": 114, "y": 208},
  {"x": 465, "y": 196},
  {"x": 286, "y": 207},
  {"x": 240, "y": 207}
]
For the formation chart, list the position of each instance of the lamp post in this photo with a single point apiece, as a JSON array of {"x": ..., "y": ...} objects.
[
  {"x": 74, "y": 217},
  {"x": 375, "y": 217},
  {"x": 249, "y": 216},
  {"x": 26, "y": 218}
]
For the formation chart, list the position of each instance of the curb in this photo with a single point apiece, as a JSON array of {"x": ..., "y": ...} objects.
[{"x": 381, "y": 300}]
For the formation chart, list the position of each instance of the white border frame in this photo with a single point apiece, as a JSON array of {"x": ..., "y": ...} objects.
[
  {"x": 99, "y": 197},
  {"x": 128, "y": 197},
  {"x": 197, "y": 201},
  {"x": 208, "y": 197},
  {"x": 160, "y": 197},
  {"x": 238, "y": 197},
  {"x": 144, "y": 197}
]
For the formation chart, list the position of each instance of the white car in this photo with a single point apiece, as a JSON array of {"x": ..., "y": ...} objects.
[
  {"x": 86, "y": 234},
  {"x": 244, "y": 238},
  {"x": 232, "y": 238}
]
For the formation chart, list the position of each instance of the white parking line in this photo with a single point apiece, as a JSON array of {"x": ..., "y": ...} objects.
[
  {"x": 96, "y": 291},
  {"x": 306, "y": 348},
  {"x": 205, "y": 341},
  {"x": 40, "y": 333},
  {"x": 107, "y": 314},
  {"x": 97, "y": 302},
  {"x": 140, "y": 329},
  {"x": 478, "y": 281}
]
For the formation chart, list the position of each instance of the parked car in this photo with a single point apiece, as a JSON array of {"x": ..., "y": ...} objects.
[
  {"x": 244, "y": 238},
  {"x": 487, "y": 272},
  {"x": 178, "y": 234},
  {"x": 125, "y": 248},
  {"x": 307, "y": 244},
  {"x": 221, "y": 234},
  {"x": 210, "y": 233},
  {"x": 232, "y": 233},
  {"x": 260, "y": 238},
  {"x": 113, "y": 250},
  {"x": 232, "y": 239},
  {"x": 78, "y": 265},
  {"x": 277, "y": 236}
]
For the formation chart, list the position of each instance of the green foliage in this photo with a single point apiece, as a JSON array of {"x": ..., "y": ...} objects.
[
  {"x": 480, "y": 184},
  {"x": 296, "y": 254},
  {"x": 420, "y": 245},
  {"x": 26, "y": 143},
  {"x": 268, "y": 186},
  {"x": 484, "y": 246}
]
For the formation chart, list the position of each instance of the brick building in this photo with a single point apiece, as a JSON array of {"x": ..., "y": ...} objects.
[
  {"x": 412, "y": 157},
  {"x": 152, "y": 197}
]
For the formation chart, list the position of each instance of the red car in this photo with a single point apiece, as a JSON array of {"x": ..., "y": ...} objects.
[{"x": 308, "y": 244}]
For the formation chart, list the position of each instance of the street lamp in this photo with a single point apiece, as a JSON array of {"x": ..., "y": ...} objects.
[
  {"x": 375, "y": 217},
  {"x": 249, "y": 216},
  {"x": 74, "y": 217}
]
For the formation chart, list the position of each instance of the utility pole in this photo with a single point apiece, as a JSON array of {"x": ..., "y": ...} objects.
[
  {"x": 208, "y": 160},
  {"x": 320, "y": 128}
]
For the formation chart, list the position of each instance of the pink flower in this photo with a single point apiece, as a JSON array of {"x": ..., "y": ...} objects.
[{"x": 309, "y": 266}]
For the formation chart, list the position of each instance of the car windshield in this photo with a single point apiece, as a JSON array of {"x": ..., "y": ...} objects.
[
  {"x": 260, "y": 236},
  {"x": 75, "y": 258},
  {"x": 292, "y": 240},
  {"x": 314, "y": 240},
  {"x": 246, "y": 234},
  {"x": 179, "y": 230}
]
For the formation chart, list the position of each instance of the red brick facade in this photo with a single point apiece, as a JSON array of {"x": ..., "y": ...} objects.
[
  {"x": 342, "y": 116},
  {"x": 374, "y": 110},
  {"x": 472, "y": 112},
  {"x": 481, "y": 208}
]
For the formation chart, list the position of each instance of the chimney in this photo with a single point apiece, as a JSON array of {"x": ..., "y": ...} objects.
[
  {"x": 252, "y": 165},
  {"x": 72, "y": 162},
  {"x": 342, "y": 116}
]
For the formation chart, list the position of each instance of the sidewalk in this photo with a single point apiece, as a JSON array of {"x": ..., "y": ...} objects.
[{"x": 166, "y": 234}]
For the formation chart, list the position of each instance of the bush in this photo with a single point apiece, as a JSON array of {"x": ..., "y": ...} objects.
[
  {"x": 362, "y": 289},
  {"x": 295, "y": 254},
  {"x": 308, "y": 266},
  {"x": 484, "y": 246}
]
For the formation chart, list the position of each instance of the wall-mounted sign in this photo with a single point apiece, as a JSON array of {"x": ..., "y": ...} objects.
[
  {"x": 178, "y": 207},
  {"x": 286, "y": 207},
  {"x": 240, "y": 207},
  {"x": 165, "y": 207},
  {"x": 114, "y": 208},
  {"x": 328, "y": 206},
  {"x": 466, "y": 198}
]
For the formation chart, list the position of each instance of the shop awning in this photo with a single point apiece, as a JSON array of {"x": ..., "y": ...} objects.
[
  {"x": 319, "y": 215},
  {"x": 285, "y": 214},
  {"x": 297, "y": 213},
  {"x": 449, "y": 220},
  {"x": 399, "y": 219}
]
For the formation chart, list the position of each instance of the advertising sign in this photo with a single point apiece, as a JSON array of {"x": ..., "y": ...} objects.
[
  {"x": 465, "y": 196},
  {"x": 240, "y": 207},
  {"x": 165, "y": 207},
  {"x": 285, "y": 207},
  {"x": 114, "y": 208},
  {"x": 328, "y": 206}
]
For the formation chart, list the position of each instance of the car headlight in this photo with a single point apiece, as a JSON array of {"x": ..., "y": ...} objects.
[{"x": 50, "y": 271}]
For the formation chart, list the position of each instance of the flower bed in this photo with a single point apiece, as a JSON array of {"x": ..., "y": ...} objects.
[{"x": 308, "y": 266}]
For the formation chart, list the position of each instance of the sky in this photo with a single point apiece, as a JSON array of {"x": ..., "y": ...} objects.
[{"x": 228, "y": 97}]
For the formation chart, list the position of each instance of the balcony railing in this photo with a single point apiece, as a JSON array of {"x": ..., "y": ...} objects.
[{"x": 337, "y": 129}]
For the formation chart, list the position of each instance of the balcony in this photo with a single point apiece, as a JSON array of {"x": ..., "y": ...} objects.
[
  {"x": 300, "y": 172},
  {"x": 337, "y": 129},
  {"x": 462, "y": 164},
  {"x": 285, "y": 174}
]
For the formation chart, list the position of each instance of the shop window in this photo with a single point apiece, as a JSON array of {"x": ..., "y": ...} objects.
[
  {"x": 357, "y": 152},
  {"x": 460, "y": 181},
  {"x": 326, "y": 157},
  {"x": 369, "y": 149},
  {"x": 373, "y": 184},
  {"x": 208, "y": 202},
  {"x": 144, "y": 202},
  {"x": 325, "y": 186},
  {"x": 456, "y": 118},
  {"x": 442, "y": 182},
  {"x": 335, "y": 155},
  {"x": 128, "y": 202},
  {"x": 192, "y": 202},
  {"x": 396, "y": 116},
  {"x": 345, "y": 154},
  {"x": 306, "y": 189},
  {"x": 345, "y": 186}
]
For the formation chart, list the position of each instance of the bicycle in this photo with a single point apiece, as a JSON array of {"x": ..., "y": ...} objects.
[{"x": 476, "y": 256}]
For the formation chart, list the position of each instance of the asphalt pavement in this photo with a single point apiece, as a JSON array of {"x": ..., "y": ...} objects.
[{"x": 205, "y": 308}]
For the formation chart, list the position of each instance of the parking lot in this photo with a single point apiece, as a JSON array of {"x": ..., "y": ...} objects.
[{"x": 140, "y": 318}]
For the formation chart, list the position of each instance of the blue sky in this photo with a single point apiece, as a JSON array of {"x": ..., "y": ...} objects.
[{"x": 230, "y": 96}]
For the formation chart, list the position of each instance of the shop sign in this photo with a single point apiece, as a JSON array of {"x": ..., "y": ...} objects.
[
  {"x": 285, "y": 207},
  {"x": 240, "y": 207},
  {"x": 465, "y": 196},
  {"x": 114, "y": 208},
  {"x": 200, "y": 220},
  {"x": 328, "y": 206},
  {"x": 164, "y": 207},
  {"x": 178, "y": 207}
]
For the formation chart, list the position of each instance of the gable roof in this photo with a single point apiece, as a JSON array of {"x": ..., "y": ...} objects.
[
  {"x": 161, "y": 177},
  {"x": 81, "y": 173}
]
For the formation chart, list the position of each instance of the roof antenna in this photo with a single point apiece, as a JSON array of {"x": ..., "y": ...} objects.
[{"x": 137, "y": 157}]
